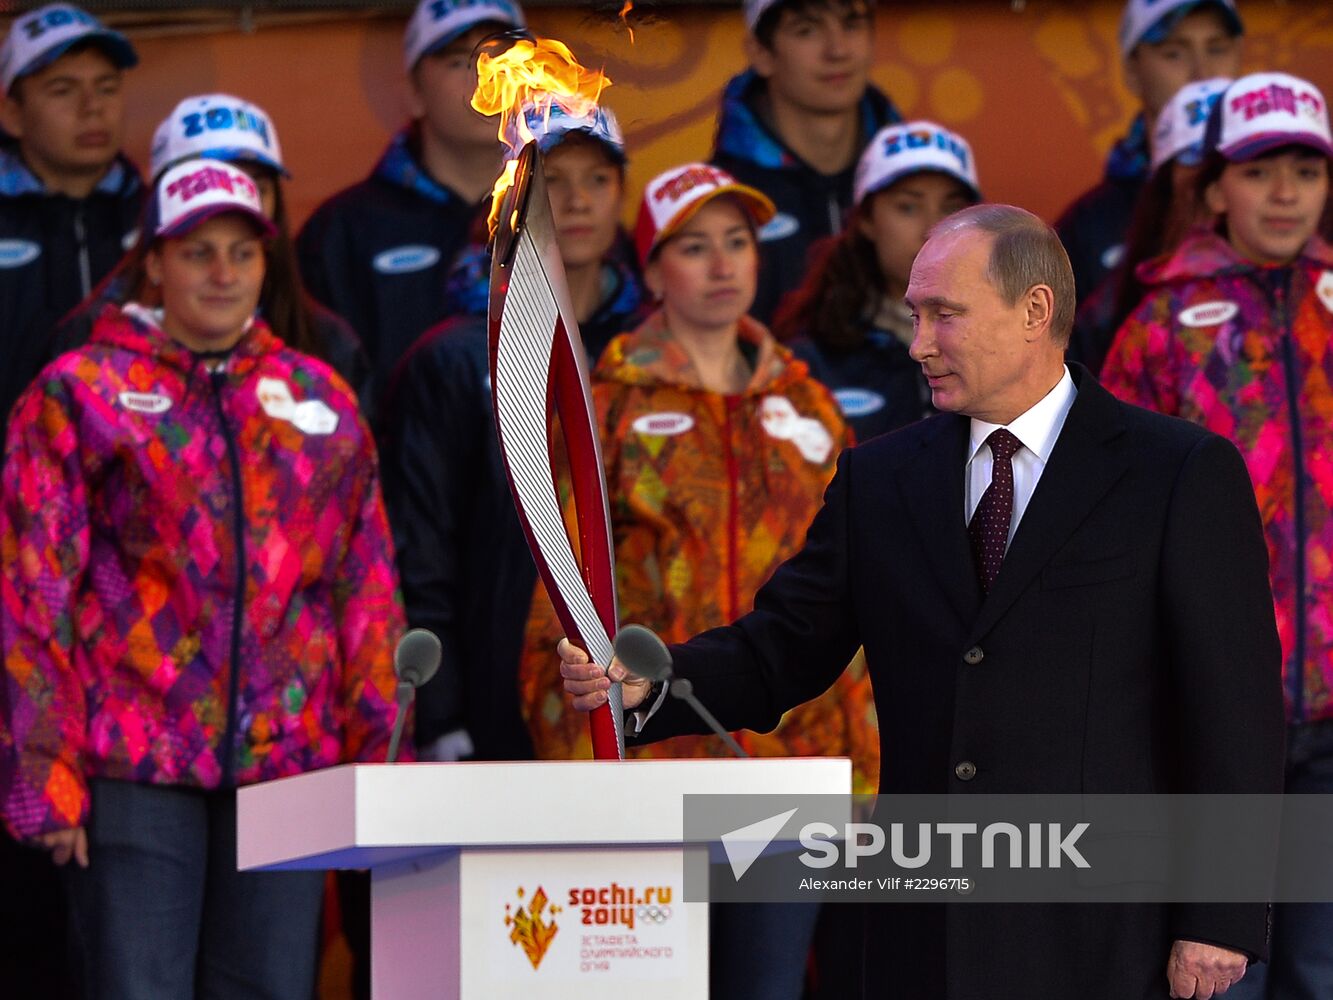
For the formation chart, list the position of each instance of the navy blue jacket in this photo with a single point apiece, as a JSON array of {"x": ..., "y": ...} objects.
[
  {"x": 378, "y": 254},
  {"x": 53, "y": 251},
  {"x": 810, "y": 205},
  {"x": 877, "y": 385}
]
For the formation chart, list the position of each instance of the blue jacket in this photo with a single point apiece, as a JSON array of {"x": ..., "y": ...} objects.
[
  {"x": 378, "y": 253},
  {"x": 53, "y": 250},
  {"x": 810, "y": 205}
]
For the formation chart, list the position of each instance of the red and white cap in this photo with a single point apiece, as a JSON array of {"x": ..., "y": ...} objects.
[
  {"x": 194, "y": 191},
  {"x": 672, "y": 198},
  {"x": 1266, "y": 111}
]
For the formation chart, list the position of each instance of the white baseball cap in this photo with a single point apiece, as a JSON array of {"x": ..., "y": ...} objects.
[
  {"x": 1266, "y": 111},
  {"x": 550, "y": 126},
  {"x": 38, "y": 39},
  {"x": 913, "y": 148},
  {"x": 1152, "y": 20},
  {"x": 436, "y": 23},
  {"x": 1182, "y": 123},
  {"x": 194, "y": 191},
  {"x": 754, "y": 10},
  {"x": 219, "y": 127},
  {"x": 672, "y": 198}
]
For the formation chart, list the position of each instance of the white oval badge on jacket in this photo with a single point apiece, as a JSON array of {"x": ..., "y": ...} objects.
[
  {"x": 1207, "y": 313},
  {"x": 405, "y": 259},
  {"x": 779, "y": 227},
  {"x": 16, "y": 253},
  {"x": 145, "y": 402},
  {"x": 1324, "y": 289},
  {"x": 858, "y": 402},
  {"x": 663, "y": 424}
]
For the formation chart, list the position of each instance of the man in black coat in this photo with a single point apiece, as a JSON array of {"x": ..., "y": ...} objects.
[{"x": 1056, "y": 592}]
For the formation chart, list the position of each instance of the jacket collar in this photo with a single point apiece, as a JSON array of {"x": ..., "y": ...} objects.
[
  {"x": 16, "y": 179},
  {"x": 650, "y": 356},
  {"x": 400, "y": 165},
  {"x": 1205, "y": 254},
  {"x": 133, "y": 327}
]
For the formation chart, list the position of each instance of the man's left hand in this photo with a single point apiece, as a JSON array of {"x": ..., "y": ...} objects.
[{"x": 1203, "y": 971}]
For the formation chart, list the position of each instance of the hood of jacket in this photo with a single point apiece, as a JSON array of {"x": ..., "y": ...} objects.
[
  {"x": 1204, "y": 253},
  {"x": 137, "y": 328},
  {"x": 743, "y": 133}
]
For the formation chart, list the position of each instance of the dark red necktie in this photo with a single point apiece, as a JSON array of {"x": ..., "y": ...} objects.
[{"x": 989, "y": 530}]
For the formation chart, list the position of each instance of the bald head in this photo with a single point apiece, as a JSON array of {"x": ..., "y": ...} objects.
[{"x": 1024, "y": 253}]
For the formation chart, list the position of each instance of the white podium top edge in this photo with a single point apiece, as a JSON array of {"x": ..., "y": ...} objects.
[{"x": 362, "y": 815}]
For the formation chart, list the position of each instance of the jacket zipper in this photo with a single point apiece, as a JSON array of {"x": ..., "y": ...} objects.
[
  {"x": 733, "y": 513},
  {"x": 1289, "y": 363},
  {"x": 834, "y": 215},
  {"x": 85, "y": 265},
  {"x": 216, "y": 379}
]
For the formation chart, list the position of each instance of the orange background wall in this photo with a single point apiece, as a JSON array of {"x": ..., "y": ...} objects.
[{"x": 1037, "y": 89}]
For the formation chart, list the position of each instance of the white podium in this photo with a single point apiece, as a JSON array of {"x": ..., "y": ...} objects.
[{"x": 547, "y": 879}]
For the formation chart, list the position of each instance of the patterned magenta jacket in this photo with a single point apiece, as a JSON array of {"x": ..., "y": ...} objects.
[
  {"x": 199, "y": 583},
  {"x": 1245, "y": 351}
]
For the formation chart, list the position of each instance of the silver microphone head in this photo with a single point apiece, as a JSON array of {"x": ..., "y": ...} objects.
[
  {"x": 643, "y": 653},
  {"x": 417, "y": 657}
]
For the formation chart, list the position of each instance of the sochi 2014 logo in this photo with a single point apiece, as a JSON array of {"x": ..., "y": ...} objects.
[{"x": 532, "y": 927}]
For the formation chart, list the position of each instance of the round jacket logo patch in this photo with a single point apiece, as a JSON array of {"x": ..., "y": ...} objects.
[
  {"x": 781, "y": 421},
  {"x": 275, "y": 396},
  {"x": 663, "y": 424},
  {"x": 145, "y": 402},
  {"x": 16, "y": 253},
  {"x": 1208, "y": 313},
  {"x": 1324, "y": 289},
  {"x": 405, "y": 259}
]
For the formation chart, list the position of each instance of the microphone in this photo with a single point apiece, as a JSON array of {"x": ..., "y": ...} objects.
[
  {"x": 414, "y": 661},
  {"x": 643, "y": 653}
]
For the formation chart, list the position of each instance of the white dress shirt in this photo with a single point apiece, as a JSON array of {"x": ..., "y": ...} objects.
[{"x": 1037, "y": 429}]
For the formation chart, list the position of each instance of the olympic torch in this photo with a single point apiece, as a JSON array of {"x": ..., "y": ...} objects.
[{"x": 538, "y": 371}]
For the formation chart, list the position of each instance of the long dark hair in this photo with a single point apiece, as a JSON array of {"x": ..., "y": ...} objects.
[
  {"x": 1162, "y": 216},
  {"x": 841, "y": 290}
]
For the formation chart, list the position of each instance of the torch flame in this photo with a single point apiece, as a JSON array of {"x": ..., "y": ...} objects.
[
  {"x": 536, "y": 73},
  {"x": 624, "y": 16}
]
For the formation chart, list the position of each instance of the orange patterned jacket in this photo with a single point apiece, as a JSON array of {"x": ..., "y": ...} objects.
[{"x": 709, "y": 494}]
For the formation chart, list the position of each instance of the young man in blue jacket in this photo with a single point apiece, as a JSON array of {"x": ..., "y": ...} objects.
[
  {"x": 69, "y": 199},
  {"x": 1166, "y": 44},
  {"x": 795, "y": 122},
  {"x": 379, "y": 252}
]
